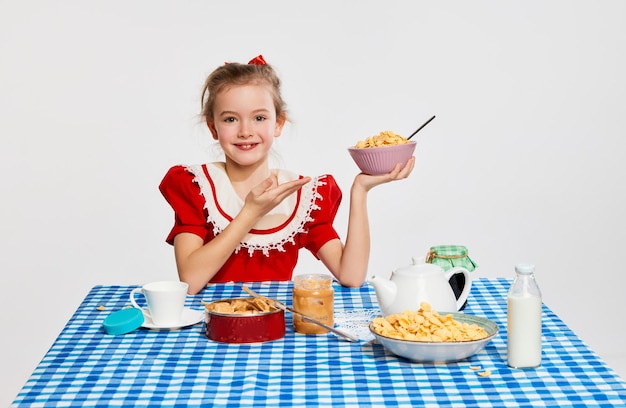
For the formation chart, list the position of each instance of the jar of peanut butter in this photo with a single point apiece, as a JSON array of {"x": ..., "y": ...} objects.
[{"x": 313, "y": 296}]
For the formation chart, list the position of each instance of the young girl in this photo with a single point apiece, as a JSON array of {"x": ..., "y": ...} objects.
[{"x": 239, "y": 220}]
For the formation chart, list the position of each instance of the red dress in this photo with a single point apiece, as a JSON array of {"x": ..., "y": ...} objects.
[{"x": 204, "y": 203}]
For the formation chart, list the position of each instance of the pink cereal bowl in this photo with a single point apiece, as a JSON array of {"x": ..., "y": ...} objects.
[{"x": 382, "y": 159}]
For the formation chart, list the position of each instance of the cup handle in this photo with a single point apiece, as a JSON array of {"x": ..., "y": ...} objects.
[
  {"x": 134, "y": 302},
  {"x": 466, "y": 288}
]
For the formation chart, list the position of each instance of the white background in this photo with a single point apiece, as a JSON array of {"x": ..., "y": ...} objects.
[{"x": 524, "y": 162}]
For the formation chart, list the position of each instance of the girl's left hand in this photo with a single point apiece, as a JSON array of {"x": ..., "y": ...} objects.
[{"x": 398, "y": 173}]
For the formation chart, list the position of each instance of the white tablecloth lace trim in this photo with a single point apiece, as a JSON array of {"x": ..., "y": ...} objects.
[{"x": 356, "y": 322}]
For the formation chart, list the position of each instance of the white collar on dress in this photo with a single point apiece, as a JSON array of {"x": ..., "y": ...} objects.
[{"x": 222, "y": 193}]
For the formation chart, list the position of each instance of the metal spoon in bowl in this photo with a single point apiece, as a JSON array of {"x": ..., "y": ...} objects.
[
  {"x": 420, "y": 128},
  {"x": 281, "y": 305}
]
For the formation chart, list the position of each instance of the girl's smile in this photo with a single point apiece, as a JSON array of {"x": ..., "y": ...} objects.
[{"x": 246, "y": 146}]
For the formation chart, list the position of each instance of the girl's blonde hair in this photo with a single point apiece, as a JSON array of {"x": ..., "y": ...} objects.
[{"x": 236, "y": 74}]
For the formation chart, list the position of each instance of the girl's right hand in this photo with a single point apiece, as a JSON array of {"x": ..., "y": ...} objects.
[{"x": 267, "y": 195}]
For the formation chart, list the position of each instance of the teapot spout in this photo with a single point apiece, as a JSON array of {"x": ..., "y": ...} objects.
[{"x": 386, "y": 292}]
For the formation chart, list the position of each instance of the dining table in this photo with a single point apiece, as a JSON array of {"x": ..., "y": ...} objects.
[{"x": 85, "y": 366}]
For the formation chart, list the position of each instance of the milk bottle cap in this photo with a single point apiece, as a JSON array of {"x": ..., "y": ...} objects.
[{"x": 525, "y": 268}]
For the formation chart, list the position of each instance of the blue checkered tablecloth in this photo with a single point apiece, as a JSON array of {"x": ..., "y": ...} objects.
[{"x": 86, "y": 367}]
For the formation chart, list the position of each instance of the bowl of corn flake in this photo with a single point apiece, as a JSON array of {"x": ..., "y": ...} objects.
[
  {"x": 379, "y": 154},
  {"x": 426, "y": 336}
]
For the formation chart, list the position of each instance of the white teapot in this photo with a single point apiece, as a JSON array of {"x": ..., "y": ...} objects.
[{"x": 420, "y": 282}]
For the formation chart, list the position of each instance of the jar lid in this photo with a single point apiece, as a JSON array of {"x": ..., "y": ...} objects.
[
  {"x": 123, "y": 321},
  {"x": 449, "y": 250},
  {"x": 525, "y": 268}
]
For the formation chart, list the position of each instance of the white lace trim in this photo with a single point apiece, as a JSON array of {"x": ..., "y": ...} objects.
[
  {"x": 258, "y": 242},
  {"x": 356, "y": 322}
]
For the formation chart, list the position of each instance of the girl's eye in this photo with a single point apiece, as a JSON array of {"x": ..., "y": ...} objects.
[
  {"x": 260, "y": 118},
  {"x": 229, "y": 119}
]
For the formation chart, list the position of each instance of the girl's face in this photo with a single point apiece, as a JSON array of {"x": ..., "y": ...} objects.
[{"x": 245, "y": 124}]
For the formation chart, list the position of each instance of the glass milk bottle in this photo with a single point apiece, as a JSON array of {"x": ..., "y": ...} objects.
[{"x": 524, "y": 319}]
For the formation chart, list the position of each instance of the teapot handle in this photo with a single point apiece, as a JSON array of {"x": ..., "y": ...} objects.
[{"x": 466, "y": 288}]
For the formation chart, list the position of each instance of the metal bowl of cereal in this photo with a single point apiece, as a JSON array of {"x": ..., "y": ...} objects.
[
  {"x": 435, "y": 349},
  {"x": 379, "y": 154},
  {"x": 244, "y": 320}
]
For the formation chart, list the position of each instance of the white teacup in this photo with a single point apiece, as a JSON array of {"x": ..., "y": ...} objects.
[{"x": 166, "y": 301}]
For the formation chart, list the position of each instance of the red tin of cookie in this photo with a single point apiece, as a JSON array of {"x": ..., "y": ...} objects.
[{"x": 244, "y": 328}]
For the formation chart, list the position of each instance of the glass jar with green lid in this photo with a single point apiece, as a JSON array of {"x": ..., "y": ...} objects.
[{"x": 449, "y": 256}]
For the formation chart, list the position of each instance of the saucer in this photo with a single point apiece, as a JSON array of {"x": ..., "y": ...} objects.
[{"x": 189, "y": 317}]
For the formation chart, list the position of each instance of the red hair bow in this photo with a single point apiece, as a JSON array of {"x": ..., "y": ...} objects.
[{"x": 258, "y": 60}]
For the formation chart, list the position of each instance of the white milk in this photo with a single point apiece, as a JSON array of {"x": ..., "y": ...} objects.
[{"x": 524, "y": 331}]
